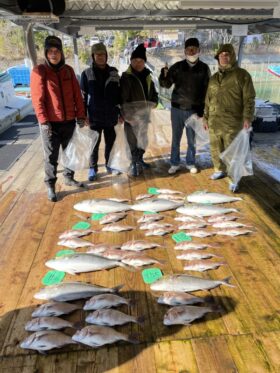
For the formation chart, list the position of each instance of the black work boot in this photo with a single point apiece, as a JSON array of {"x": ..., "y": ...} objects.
[
  {"x": 144, "y": 164},
  {"x": 51, "y": 194},
  {"x": 73, "y": 182}
]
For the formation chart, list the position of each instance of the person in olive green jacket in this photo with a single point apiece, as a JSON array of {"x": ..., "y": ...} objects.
[{"x": 229, "y": 107}]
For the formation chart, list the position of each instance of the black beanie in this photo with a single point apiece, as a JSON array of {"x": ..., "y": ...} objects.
[
  {"x": 139, "y": 52},
  {"x": 53, "y": 42},
  {"x": 192, "y": 42}
]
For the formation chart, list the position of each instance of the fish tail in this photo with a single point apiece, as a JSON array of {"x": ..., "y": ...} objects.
[
  {"x": 140, "y": 319},
  {"x": 226, "y": 280},
  {"x": 133, "y": 338},
  {"x": 117, "y": 288}
]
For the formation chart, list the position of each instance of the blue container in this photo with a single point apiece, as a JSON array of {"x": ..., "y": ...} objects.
[{"x": 20, "y": 75}]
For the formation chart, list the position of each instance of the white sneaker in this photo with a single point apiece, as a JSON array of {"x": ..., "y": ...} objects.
[
  {"x": 191, "y": 168},
  {"x": 173, "y": 169}
]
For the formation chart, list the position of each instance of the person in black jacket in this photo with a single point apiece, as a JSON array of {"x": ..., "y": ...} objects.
[
  {"x": 139, "y": 94},
  {"x": 100, "y": 85},
  {"x": 190, "y": 78}
]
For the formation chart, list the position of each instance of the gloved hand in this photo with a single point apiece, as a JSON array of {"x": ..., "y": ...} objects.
[
  {"x": 49, "y": 130},
  {"x": 81, "y": 123}
]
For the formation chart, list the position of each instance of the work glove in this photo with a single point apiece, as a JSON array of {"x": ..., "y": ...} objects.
[
  {"x": 49, "y": 130},
  {"x": 81, "y": 123}
]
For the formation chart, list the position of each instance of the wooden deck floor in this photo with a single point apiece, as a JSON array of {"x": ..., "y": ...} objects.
[{"x": 244, "y": 337}]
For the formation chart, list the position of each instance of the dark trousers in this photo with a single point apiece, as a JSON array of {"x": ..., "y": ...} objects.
[
  {"x": 61, "y": 134},
  {"x": 109, "y": 138},
  {"x": 136, "y": 153}
]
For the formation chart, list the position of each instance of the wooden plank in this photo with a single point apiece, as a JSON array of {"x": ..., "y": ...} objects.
[{"x": 270, "y": 343}]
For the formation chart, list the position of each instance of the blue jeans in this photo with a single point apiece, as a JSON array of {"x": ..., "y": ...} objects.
[{"x": 178, "y": 118}]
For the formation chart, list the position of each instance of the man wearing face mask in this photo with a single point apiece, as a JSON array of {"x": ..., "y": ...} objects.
[
  {"x": 190, "y": 78},
  {"x": 229, "y": 107}
]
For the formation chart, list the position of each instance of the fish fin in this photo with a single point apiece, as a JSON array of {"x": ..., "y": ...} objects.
[
  {"x": 133, "y": 338},
  {"x": 117, "y": 288},
  {"x": 226, "y": 280},
  {"x": 140, "y": 319}
]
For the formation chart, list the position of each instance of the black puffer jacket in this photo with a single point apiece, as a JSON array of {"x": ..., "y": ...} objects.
[
  {"x": 190, "y": 85},
  {"x": 102, "y": 95}
]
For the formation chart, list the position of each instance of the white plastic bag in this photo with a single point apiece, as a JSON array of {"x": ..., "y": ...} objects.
[
  {"x": 120, "y": 156},
  {"x": 237, "y": 157},
  {"x": 77, "y": 153},
  {"x": 201, "y": 135}
]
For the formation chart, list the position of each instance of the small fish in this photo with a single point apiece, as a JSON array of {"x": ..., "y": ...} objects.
[
  {"x": 149, "y": 218},
  {"x": 156, "y": 205},
  {"x": 194, "y": 254},
  {"x": 46, "y": 340},
  {"x": 188, "y": 219},
  {"x": 200, "y": 234},
  {"x": 159, "y": 231},
  {"x": 75, "y": 233},
  {"x": 111, "y": 317},
  {"x": 112, "y": 217},
  {"x": 234, "y": 232},
  {"x": 143, "y": 196},
  {"x": 192, "y": 226},
  {"x": 186, "y": 283},
  {"x": 121, "y": 200},
  {"x": 172, "y": 298},
  {"x": 101, "y": 247},
  {"x": 105, "y": 301},
  {"x": 139, "y": 260},
  {"x": 54, "y": 309},
  {"x": 114, "y": 254},
  {"x": 184, "y": 315},
  {"x": 96, "y": 336},
  {"x": 203, "y": 210},
  {"x": 229, "y": 224},
  {"x": 205, "y": 197},
  {"x": 154, "y": 225},
  {"x": 101, "y": 206},
  {"x": 172, "y": 197},
  {"x": 168, "y": 191},
  {"x": 117, "y": 228},
  {"x": 48, "y": 323},
  {"x": 138, "y": 245},
  {"x": 74, "y": 242},
  {"x": 219, "y": 218},
  {"x": 190, "y": 246},
  {"x": 201, "y": 265}
]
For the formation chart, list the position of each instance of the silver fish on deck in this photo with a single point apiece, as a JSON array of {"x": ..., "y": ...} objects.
[
  {"x": 205, "y": 197},
  {"x": 184, "y": 315},
  {"x": 185, "y": 283},
  {"x": 168, "y": 191},
  {"x": 96, "y": 336},
  {"x": 73, "y": 233},
  {"x": 190, "y": 246},
  {"x": 204, "y": 210},
  {"x": 117, "y": 228},
  {"x": 111, "y": 317},
  {"x": 159, "y": 231},
  {"x": 74, "y": 242},
  {"x": 150, "y": 218},
  {"x": 55, "y": 309},
  {"x": 189, "y": 219},
  {"x": 143, "y": 196},
  {"x": 200, "y": 233},
  {"x": 101, "y": 301},
  {"x": 156, "y": 205},
  {"x": 188, "y": 226},
  {"x": 73, "y": 290},
  {"x": 228, "y": 224},
  {"x": 82, "y": 262},
  {"x": 112, "y": 217},
  {"x": 46, "y": 340},
  {"x": 172, "y": 298},
  {"x": 101, "y": 206},
  {"x": 154, "y": 225},
  {"x": 138, "y": 245},
  {"x": 48, "y": 323},
  {"x": 219, "y": 218},
  {"x": 234, "y": 232},
  {"x": 201, "y": 265},
  {"x": 139, "y": 260},
  {"x": 195, "y": 254}
]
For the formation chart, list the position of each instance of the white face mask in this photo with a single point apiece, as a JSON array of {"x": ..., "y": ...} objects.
[{"x": 193, "y": 58}]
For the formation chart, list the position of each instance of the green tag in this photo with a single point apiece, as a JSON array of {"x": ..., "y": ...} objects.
[
  {"x": 53, "y": 277},
  {"x": 150, "y": 275},
  {"x": 180, "y": 237},
  {"x": 149, "y": 212},
  {"x": 81, "y": 225},
  {"x": 97, "y": 216},
  {"x": 153, "y": 191},
  {"x": 64, "y": 252}
]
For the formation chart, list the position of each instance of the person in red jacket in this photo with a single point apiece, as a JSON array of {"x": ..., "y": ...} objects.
[{"x": 58, "y": 105}]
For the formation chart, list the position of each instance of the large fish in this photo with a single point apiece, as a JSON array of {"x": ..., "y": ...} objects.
[
  {"x": 101, "y": 206},
  {"x": 55, "y": 309},
  {"x": 49, "y": 323},
  {"x": 46, "y": 340},
  {"x": 172, "y": 298},
  {"x": 82, "y": 262},
  {"x": 156, "y": 205},
  {"x": 138, "y": 245},
  {"x": 74, "y": 242},
  {"x": 100, "y": 301},
  {"x": 73, "y": 233},
  {"x": 111, "y": 317},
  {"x": 205, "y": 197},
  {"x": 204, "y": 210},
  {"x": 185, "y": 283},
  {"x": 184, "y": 315},
  {"x": 201, "y": 265},
  {"x": 96, "y": 336},
  {"x": 73, "y": 290}
]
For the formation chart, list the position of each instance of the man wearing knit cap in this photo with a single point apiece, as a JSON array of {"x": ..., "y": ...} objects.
[
  {"x": 100, "y": 85},
  {"x": 58, "y": 105},
  {"x": 138, "y": 92},
  {"x": 190, "y": 78},
  {"x": 229, "y": 107}
]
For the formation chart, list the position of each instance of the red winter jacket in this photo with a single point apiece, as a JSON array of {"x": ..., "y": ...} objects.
[{"x": 56, "y": 95}]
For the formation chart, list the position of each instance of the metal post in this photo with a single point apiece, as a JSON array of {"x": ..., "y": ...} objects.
[
  {"x": 31, "y": 55},
  {"x": 76, "y": 59},
  {"x": 240, "y": 49}
]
